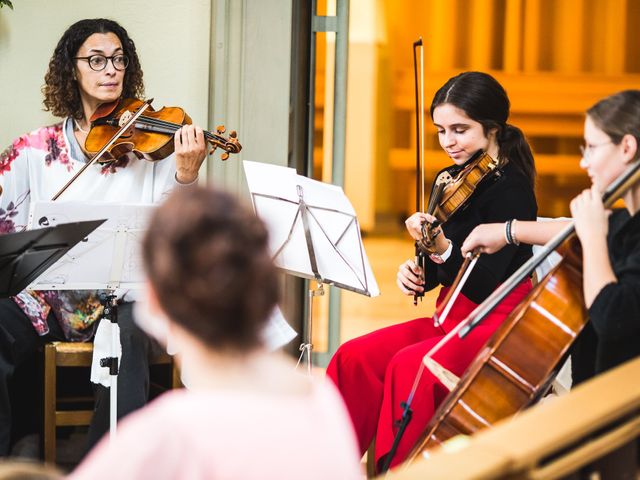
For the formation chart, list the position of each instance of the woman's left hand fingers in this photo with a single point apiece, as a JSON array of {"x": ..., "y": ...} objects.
[{"x": 191, "y": 150}]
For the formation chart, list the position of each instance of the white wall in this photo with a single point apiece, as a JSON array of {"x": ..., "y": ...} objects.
[
  {"x": 251, "y": 55},
  {"x": 223, "y": 61},
  {"x": 172, "y": 38}
]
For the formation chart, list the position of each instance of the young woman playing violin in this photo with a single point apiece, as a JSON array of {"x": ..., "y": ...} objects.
[
  {"x": 375, "y": 372},
  {"x": 610, "y": 241},
  {"x": 94, "y": 62}
]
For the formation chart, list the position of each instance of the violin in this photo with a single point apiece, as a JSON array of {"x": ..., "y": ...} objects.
[
  {"x": 120, "y": 130},
  {"x": 449, "y": 194},
  {"x": 151, "y": 136}
]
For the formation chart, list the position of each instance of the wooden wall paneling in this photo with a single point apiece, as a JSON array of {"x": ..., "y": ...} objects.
[
  {"x": 531, "y": 50},
  {"x": 440, "y": 47},
  {"x": 513, "y": 39},
  {"x": 595, "y": 43},
  {"x": 632, "y": 61},
  {"x": 568, "y": 55},
  {"x": 480, "y": 41},
  {"x": 614, "y": 39},
  {"x": 547, "y": 35}
]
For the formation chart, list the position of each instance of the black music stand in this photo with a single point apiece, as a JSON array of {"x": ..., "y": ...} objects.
[{"x": 24, "y": 256}]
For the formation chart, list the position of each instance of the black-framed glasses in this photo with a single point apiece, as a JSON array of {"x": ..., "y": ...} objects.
[
  {"x": 586, "y": 150},
  {"x": 99, "y": 62}
]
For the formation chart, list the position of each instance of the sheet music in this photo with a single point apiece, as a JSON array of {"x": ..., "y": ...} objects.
[
  {"x": 109, "y": 258},
  {"x": 333, "y": 225}
]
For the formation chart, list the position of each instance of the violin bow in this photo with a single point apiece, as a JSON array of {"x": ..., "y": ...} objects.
[
  {"x": 126, "y": 126},
  {"x": 420, "y": 257}
]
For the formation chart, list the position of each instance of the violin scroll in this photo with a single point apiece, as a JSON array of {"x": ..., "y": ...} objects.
[{"x": 229, "y": 145}]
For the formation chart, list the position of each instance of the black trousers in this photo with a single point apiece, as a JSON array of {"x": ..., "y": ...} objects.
[{"x": 19, "y": 342}]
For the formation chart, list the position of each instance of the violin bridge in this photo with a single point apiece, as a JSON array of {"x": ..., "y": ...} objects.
[{"x": 124, "y": 118}]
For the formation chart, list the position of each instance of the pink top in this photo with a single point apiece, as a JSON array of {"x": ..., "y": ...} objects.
[{"x": 231, "y": 435}]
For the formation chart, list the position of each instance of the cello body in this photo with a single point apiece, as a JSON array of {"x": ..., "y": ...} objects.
[{"x": 518, "y": 364}]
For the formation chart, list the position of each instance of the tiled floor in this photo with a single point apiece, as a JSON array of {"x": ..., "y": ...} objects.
[{"x": 362, "y": 314}]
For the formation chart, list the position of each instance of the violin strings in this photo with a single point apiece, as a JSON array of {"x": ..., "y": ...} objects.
[{"x": 172, "y": 127}]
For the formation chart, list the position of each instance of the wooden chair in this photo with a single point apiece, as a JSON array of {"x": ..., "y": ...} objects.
[{"x": 79, "y": 410}]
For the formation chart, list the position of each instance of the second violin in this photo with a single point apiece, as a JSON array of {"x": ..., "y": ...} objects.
[{"x": 449, "y": 194}]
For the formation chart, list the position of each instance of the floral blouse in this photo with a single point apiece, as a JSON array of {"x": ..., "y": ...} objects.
[{"x": 33, "y": 169}]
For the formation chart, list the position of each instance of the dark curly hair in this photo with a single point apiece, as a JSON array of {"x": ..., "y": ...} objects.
[
  {"x": 207, "y": 258},
  {"x": 61, "y": 94}
]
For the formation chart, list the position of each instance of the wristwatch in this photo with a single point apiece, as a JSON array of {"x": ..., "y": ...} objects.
[{"x": 444, "y": 256}]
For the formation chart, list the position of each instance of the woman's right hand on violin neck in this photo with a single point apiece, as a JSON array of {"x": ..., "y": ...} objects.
[{"x": 409, "y": 278}]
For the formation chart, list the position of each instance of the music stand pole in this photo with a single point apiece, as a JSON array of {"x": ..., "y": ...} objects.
[
  {"x": 306, "y": 345},
  {"x": 110, "y": 314}
]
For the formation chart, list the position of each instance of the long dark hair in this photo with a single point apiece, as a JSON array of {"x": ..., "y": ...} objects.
[
  {"x": 61, "y": 95},
  {"x": 484, "y": 100},
  {"x": 618, "y": 115}
]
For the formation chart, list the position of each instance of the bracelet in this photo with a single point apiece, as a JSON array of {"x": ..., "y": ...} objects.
[
  {"x": 507, "y": 232},
  {"x": 512, "y": 231}
]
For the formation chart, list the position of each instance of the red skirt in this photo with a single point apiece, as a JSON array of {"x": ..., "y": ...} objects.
[{"x": 375, "y": 372}]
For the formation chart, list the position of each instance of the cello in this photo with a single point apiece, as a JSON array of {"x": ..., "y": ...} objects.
[{"x": 516, "y": 367}]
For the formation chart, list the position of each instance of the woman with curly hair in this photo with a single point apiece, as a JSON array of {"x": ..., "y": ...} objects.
[{"x": 95, "y": 62}]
